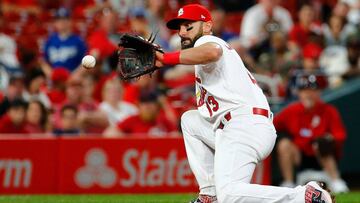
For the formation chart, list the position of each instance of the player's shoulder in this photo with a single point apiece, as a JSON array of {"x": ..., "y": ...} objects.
[{"x": 209, "y": 38}]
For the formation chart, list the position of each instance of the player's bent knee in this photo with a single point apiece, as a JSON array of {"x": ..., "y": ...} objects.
[{"x": 188, "y": 117}]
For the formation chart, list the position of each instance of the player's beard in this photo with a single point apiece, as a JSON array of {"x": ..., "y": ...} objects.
[{"x": 192, "y": 41}]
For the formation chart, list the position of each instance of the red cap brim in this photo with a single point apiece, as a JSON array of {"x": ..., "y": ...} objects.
[{"x": 191, "y": 12}]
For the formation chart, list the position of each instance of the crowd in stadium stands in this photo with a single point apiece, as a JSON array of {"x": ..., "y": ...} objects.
[{"x": 44, "y": 89}]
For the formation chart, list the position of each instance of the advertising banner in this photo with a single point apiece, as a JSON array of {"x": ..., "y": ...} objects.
[
  {"x": 124, "y": 166},
  {"x": 28, "y": 166},
  {"x": 99, "y": 165}
]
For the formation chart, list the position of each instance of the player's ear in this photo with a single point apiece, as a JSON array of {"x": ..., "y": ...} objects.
[{"x": 207, "y": 26}]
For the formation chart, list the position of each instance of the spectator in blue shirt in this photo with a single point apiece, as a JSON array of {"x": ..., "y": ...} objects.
[{"x": 64, "y": 48}]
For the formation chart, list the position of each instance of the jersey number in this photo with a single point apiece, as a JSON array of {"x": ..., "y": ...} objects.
[{"x": 211, "y": 104}]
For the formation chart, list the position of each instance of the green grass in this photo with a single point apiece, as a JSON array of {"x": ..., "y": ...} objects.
[
  {"x": 131, "y": 198},
  {"x": 353, "y": 197}
]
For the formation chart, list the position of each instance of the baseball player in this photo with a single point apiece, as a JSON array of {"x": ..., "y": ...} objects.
[{"x": 231, "y": 130}]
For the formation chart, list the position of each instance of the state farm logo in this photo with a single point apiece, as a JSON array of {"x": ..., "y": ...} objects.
[
  {"x": 17, "y": 172},
  {"x": 138, "y": 168},
  {"x": 95, "y": 171},
  {"x": 145, "y": 170}
]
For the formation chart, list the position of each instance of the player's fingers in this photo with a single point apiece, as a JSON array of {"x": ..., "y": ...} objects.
[
  {"x": 159, "y": 56},
  {"x": 158, "y": 64}
]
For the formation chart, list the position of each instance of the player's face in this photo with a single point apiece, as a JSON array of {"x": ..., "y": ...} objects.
[{"x": 189, "y": 32}]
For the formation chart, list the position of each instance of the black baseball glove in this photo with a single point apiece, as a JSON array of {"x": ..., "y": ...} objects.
[{"x": 136, "y": 56}]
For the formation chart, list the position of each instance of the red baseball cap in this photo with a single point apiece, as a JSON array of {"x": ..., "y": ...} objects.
[
  {"x": 60, "y": 74},
  {"x": 312, "y": 50},
  {"x": 193, "y": 12}
]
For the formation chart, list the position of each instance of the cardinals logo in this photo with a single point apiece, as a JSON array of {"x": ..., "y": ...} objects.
[{"x": 180, "y": 12}]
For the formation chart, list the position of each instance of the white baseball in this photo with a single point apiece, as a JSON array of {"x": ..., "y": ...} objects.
[{"x": 88, "y": 61}]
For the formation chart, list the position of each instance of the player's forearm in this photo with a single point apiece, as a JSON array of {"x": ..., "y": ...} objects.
[{"x": 206, "y": 53}]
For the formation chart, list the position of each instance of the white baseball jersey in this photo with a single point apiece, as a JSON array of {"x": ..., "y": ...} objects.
[
  {"x": 225, "y": 84},
  {"x": 223, "y": 160}
]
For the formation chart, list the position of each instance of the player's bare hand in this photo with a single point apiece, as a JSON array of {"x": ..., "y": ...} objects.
[{"x": 159, "y": 59}]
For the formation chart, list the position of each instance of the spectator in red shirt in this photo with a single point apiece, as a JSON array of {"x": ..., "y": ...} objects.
[
  {"x": 79, "y": 93},
  {"x": 103, "y": 42},
  {"x": 132, "y": 90},
  {"x": 36, "y": 117},
  {"x": 150, "y": 121},
  {"x": 56, "y": 93},
  {"x": 311, "y": 54},
  {"x": 13, "y": 122},
  {"x": 315, "y": 135},
  {"x": 103, "y": 45},
  {"x": 303, "y": 31}
]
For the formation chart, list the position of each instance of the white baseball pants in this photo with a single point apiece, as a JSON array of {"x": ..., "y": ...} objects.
[{"x": 223, "y": 161}]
